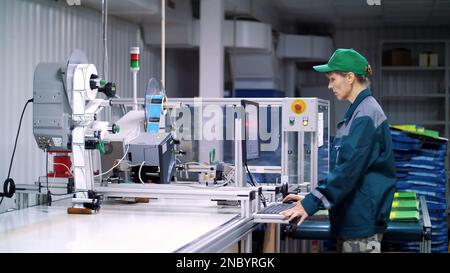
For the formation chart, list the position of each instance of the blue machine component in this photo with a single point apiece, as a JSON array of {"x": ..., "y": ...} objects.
[{"x": 153, "y": 110}]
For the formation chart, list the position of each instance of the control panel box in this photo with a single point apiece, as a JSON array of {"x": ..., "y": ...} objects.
[{"x": 300, "y": 114}]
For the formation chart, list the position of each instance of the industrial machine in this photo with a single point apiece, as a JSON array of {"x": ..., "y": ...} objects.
[
  {"x": 164, "y": 148},
  {"x": 144, "y": 146},
  {"x": 65, "y": 120},
  {"x": 152, "y": 156}
]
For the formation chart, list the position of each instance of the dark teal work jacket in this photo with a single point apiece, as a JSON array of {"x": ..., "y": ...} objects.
[{"x": 359, "y": 189}]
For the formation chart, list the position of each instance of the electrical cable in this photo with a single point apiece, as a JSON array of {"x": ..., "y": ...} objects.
[
  {"x": 9, "y": 187},
  {"x": 261, "y": 196},
  {"x": 49, "y": 194},
  {"x": 54, "y": 176},
  {"x": 197, "y": 163},
  {"x": 123, "y": 157},
  {"x": 61, "y": 164},
  {"x": 251, "y": 177},
  {"x": 139, "y": 172}
]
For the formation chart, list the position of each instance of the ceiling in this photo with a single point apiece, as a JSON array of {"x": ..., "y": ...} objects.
[
  {"x": 138, "y": 11},
  {"x": 288, "y": 12}
]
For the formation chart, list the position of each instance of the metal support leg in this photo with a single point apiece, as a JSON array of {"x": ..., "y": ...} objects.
[
  {"x": 277, "y": 238},
  {"x": 286, "y": 244},
  {"x": 248, "y": 243},
  {"x": 425, "y": 245}
]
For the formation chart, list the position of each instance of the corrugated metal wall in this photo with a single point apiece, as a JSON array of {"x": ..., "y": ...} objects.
[{"x": 47, "y": 31}]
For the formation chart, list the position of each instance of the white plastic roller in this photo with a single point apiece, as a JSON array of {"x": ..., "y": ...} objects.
[{"x": 82, "y": 80}]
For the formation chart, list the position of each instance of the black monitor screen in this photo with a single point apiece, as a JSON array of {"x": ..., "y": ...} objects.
[{"x": 250, "y": 145}]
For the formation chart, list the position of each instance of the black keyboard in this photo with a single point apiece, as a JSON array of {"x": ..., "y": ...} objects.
[{"x": 276, "y": 208}]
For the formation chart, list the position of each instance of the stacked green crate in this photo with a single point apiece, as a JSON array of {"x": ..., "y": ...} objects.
[{"x": 405, "y": 207}]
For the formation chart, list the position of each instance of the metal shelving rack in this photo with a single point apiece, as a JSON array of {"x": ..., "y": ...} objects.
[{"x": 432, "y": 97}]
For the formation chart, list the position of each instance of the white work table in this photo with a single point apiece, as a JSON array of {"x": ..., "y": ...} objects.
[{"x": 165, "y": 225}]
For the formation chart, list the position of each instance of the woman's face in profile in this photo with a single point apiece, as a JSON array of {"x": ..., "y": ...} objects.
[{"x": 339, "y": 85}]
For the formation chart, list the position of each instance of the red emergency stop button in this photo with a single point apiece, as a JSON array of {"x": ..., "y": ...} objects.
[{"x": 298, "y": 106}]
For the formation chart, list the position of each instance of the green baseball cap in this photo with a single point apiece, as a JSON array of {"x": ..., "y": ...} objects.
[{"x": 346, "y": 60}]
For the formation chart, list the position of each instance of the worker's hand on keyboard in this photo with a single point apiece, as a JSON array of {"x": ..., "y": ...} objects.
[
  {"x": 293, "y": 197},
  {"x": 296, "y": 212}
]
